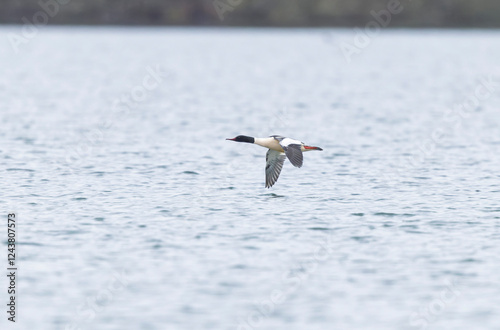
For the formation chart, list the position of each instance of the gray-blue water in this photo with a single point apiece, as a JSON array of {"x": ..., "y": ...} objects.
[{"x": 136, "y": 213}]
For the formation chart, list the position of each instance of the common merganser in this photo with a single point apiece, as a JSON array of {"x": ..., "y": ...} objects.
[{"x": 280, "y": 147}]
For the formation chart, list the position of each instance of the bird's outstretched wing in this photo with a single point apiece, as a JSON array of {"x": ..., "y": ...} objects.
[
  {"x": 274, "y": 164},
  {"x": 293, "y": 152},
  {"x": 292, "y": 148}
]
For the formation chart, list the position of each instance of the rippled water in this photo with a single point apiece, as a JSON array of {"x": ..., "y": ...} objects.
[{"x": 137, "y": 214}]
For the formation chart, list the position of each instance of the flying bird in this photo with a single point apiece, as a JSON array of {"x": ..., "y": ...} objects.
[{"x": 280, "y": 148}]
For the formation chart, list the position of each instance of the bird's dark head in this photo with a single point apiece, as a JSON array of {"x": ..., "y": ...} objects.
[{"x": 243, "y": 138}]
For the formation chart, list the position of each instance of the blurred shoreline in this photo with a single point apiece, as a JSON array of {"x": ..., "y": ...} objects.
[
  {"x": 242, "y": 13},
  {"x": 248, "y": 27}
]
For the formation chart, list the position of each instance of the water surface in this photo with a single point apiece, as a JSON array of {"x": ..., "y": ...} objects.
[{"x": 137, "y": 214}]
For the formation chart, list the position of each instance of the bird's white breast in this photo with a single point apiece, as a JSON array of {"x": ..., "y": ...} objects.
[{"x": 270, "y": 143}]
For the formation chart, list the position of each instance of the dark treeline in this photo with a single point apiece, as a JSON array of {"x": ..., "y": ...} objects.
[{"x": 412, "y": 13}]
